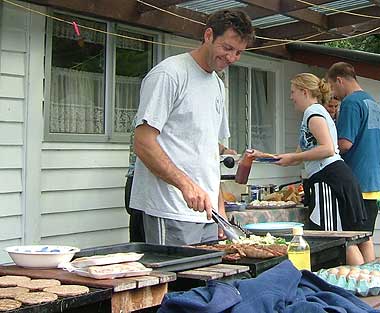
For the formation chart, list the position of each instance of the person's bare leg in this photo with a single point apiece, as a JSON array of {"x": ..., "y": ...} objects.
[
  {"x": 367, "y": 250},
  {"x": 354, "y": 256}
]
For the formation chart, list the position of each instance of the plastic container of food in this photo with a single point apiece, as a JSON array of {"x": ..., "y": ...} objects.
[{"x": 119, "y": 270}]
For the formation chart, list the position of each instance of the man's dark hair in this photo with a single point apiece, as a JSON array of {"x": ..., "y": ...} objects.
[
  {"x": 239, "y": 21},
  {"x": 341, "y": 69}
]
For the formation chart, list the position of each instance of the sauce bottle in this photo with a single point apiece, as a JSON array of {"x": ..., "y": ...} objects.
[
  {"x": 299, "y": 250},
  {"x": 244, "y": 167}
]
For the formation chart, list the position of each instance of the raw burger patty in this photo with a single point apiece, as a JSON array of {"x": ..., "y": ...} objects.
[
  {"x": 12, "y": 280},
  {"x": 36, "y": 297},
  {"x": 40, "y": 284},
  {"x": 9, "y": 304},
  {"x": 11, "y": 292},
  {"x": 68, "y": 290}
]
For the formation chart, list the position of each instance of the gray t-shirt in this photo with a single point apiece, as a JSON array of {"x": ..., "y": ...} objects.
[
  {"x": 308, "y": 141},
  {"x": 186, "y": 104}
]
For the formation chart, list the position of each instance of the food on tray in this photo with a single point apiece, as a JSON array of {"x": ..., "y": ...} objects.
[
  {"x": 11, "y": 292},
  {"x": 267, "y": 155},
  {"x": 263, "y": 252},
  {"x": 12, "y": 280},
  {"x": 232, "y": 257},
  {"x": 39, "y": 284},
  {"x": 275, "y": 196},
  {"x": 9, "y": 304},
  {"x": 285, "y": 195},
  {"x": 228, "y": 196},
  {"x": 109, "y": 271},
  {"x": 260, "y": 247},
  {"x": 36, "y": 297},
  {"x": 271, "y": 204},
  {"x": 107, "y": 259},
  {"x": 68, "y": 290},
  {"x": 116, "y": 268}
]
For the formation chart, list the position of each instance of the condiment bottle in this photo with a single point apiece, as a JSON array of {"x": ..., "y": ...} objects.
[
  {"x": 299, "y": 250},
  {"x": 244, "y": 167}
]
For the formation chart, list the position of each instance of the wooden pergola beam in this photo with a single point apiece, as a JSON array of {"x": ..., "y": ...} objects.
[
  {"x": 282, "y": 6},
  {"x": 128, "y": 12},
  {"x": 161, "y": 4},
  {"x": 275, "y": 7},
  {"x": 376, "y": 2},
  {"x": 343, "y": 19},
  {"x": 303, "y": 29}
]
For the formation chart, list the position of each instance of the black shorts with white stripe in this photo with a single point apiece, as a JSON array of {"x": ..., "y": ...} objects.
[{"x": 325, "y": 208}]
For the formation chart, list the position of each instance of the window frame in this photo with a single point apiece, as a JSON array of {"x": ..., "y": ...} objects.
[
  {"x": 109, "y": 135},
  {"x": 275, "y": 72}
]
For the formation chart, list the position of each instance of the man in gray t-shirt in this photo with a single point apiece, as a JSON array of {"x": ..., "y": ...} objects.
[{"x": 180, "y": 120}]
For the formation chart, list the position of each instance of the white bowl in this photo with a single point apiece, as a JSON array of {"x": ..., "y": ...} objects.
[{"x": 40, "y": 256}]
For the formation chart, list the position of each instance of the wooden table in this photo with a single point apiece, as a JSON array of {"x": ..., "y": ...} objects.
[
  {"x": 128, "y": 294},
  {"x": 373, "y": 301},
  {"x": 199, "y": 277},
  {"x": 352, "y": 235}
]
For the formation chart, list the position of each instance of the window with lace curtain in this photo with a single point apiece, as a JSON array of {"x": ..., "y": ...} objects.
[{"x": 93, "y": 80}]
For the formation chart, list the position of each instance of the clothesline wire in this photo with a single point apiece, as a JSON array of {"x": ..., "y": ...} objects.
[{"x": 283, "y": 41}]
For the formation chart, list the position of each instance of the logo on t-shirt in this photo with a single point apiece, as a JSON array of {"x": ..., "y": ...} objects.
[{"x": 307, "y": 139}]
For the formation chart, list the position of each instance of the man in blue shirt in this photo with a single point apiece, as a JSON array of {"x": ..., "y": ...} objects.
[{"x": 359, "y": 141}]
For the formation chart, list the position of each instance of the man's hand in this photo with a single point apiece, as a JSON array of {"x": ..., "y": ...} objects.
[
  {"x": 230, "y": 151},
  {"x": 196, "y": 198}
]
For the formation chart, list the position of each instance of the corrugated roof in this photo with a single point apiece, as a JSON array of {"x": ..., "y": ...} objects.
[
  {"x": 272, "y": 20},
  {"x": 210, "y": 6},
  {"x": 343, "y": 5}
]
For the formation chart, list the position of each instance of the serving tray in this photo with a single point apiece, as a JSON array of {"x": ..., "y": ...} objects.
[
  {"x": 163, "y": 258},
  {"x": 270, "y": 207}
]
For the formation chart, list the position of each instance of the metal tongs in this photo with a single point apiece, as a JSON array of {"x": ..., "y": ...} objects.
[{"x": 231, "y": 231}]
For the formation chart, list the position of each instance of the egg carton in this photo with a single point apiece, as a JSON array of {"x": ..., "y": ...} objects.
[{"x": 360, "y": 280}]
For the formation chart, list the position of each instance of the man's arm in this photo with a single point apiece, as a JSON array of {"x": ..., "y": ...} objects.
[
  {"x": 344, "y": 145},
  {"x": 222, "y": 211},
  {"x": 157, "y": 161},
  {"x": 224, "y": 150}
]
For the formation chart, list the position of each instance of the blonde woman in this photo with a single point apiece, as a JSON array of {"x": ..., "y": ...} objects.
[{"x": 335, "y": 197}]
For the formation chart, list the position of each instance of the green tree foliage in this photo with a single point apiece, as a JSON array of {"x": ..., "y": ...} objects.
[{"x": 367, "y": 44}]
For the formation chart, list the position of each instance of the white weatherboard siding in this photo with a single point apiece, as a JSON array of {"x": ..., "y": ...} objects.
[
  {"x": 82, "y": 194},
  {"x": 14, "y": 32},
  {"x": 80, "y": 186},
  {"x": 50, "y": 193}
]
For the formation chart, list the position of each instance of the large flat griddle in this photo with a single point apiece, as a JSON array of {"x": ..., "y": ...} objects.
[{"x": 162, "y": 258}]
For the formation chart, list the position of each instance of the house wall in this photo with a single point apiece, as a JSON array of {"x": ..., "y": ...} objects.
[
  {"x": 82, "y": 194},
  {"x": 14, "y": 33},
  {"x": 50, "y": 193},
  {"x": 73, "y": 193}
]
